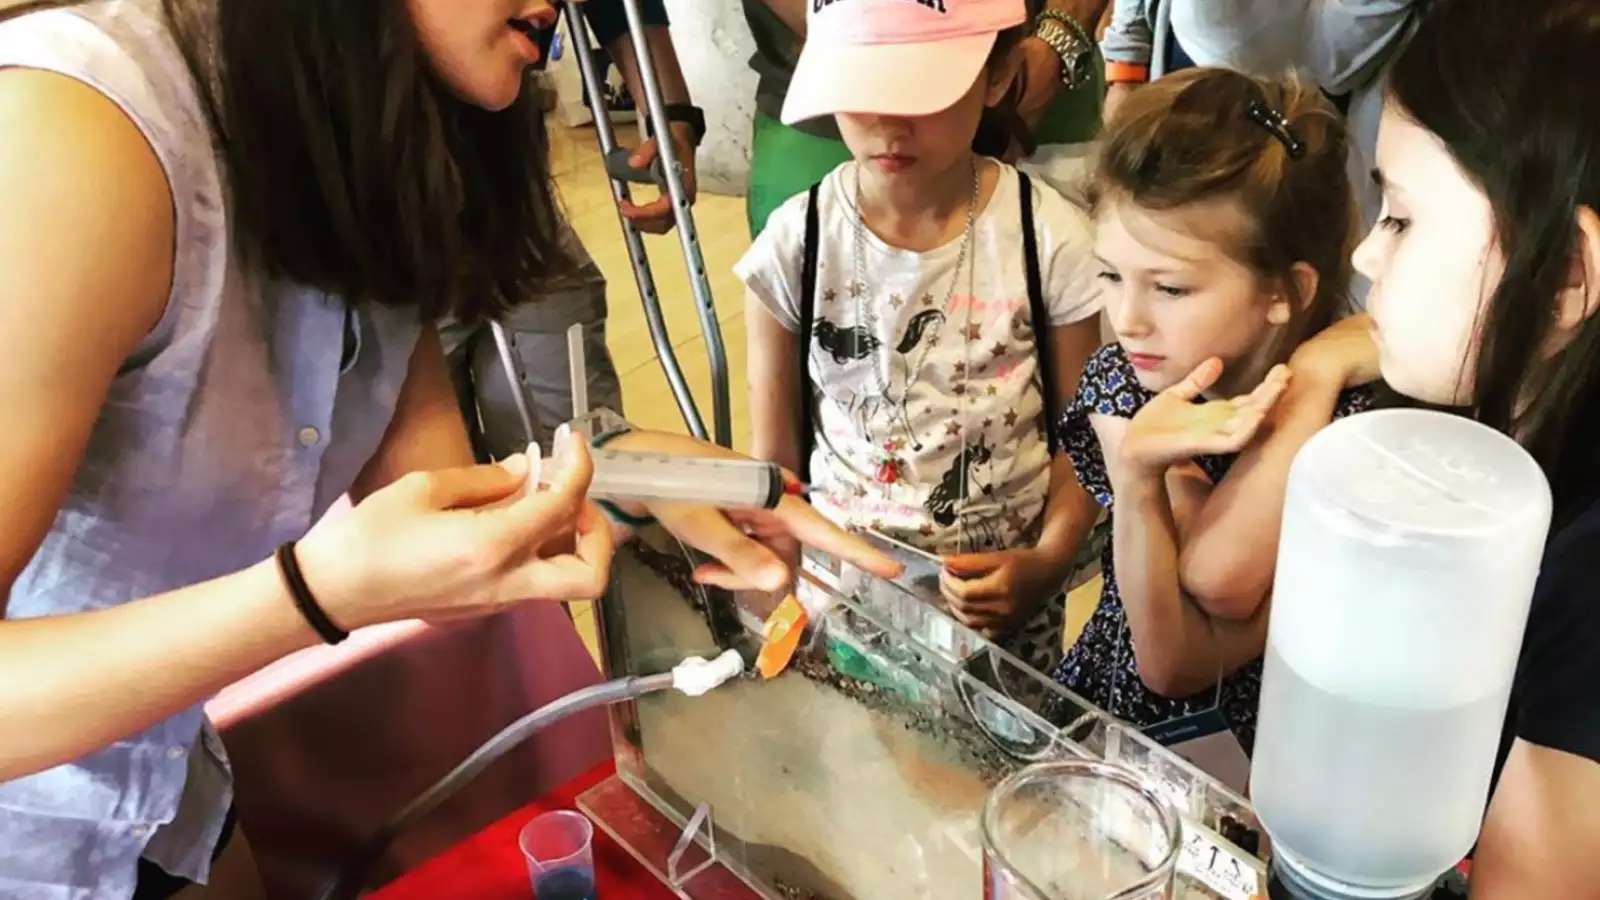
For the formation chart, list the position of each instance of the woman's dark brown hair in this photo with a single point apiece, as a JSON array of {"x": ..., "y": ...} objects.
[
  {"x": 351, "y": 169},
  {"x": 1189, "y": 138},
  {"x": 1508, "y": 92}
]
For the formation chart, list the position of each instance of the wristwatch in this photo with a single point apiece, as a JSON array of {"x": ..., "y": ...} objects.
[
  {"x": 690, "y": 115},
  {"x": 1070, "y": 42}
]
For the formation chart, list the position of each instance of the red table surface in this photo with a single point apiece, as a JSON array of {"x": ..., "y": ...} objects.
[{"x": 489, "y": 866}]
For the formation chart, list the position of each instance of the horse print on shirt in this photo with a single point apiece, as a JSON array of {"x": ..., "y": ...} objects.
[
  {"x": 870, "y": 402},
  {"x": 853, "y": 342},
  {"x": 944, "y": 501}
]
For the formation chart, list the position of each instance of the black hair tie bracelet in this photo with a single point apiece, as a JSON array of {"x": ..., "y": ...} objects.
[{"x": 303, "y": 599}]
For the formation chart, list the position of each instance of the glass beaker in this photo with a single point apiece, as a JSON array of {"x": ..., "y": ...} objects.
[{"x": 1078, "y": 830}]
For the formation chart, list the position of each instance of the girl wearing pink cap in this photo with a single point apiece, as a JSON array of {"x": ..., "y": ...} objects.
[{"x": 915, "y": 320}]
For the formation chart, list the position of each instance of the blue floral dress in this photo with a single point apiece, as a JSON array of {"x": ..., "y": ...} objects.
[{"x": 1100, "y": 667}]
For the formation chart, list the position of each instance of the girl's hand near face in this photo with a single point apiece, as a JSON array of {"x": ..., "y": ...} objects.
[{"x": 1173, "y": 428}]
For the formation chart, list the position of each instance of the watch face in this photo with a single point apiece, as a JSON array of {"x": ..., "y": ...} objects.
[{"x": 1082, "y": 68}]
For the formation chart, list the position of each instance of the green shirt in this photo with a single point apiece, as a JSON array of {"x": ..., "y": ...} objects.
[{"x": 777, "y": 54}]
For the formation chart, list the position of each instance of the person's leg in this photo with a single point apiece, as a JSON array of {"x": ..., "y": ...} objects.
[{"x": 783, "y": 162}]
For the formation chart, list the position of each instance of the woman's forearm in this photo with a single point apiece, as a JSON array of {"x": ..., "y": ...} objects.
[{"x": 75, "y": 683}]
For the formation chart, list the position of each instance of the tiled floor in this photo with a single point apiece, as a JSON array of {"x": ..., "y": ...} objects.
[{"x": 723, "y": 237}]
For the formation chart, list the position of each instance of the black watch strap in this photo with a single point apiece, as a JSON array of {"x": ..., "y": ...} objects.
[{"x": 690, "y": 115}]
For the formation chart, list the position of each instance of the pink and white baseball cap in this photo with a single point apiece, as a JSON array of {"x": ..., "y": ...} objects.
[{"x": 893, "y": 57}]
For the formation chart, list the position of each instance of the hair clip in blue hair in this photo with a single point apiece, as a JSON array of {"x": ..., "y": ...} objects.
[{"x": 1277, "y": 126}]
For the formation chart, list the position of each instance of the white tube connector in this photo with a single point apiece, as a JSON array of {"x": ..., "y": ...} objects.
[{"x": 695, "y": 676}]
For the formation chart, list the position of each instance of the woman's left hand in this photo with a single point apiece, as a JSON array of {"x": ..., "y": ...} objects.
[
  {"x": 753, "y": 546},
  {"x": 1172, "y": 427}
]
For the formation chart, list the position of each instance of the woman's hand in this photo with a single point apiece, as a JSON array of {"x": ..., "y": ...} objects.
[
  {"x": 459, "y": 542},
  {"x": 1344, "y": 354},
  {"x": 1172, "y": 427},
  {"x": 993, "y": 593},
  {"x": 755, "y": 548}
]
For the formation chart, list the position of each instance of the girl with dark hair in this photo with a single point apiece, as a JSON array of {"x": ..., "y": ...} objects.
[
  {"x": 227, "y": 226},
  {"x": 1486, "y": 279}
]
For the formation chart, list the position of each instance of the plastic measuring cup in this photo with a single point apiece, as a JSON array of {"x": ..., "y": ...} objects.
[
  {"x": 559, "y": 849},
  {"x": 1078, "y": 830}
]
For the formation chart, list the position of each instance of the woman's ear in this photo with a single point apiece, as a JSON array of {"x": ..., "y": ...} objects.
[
  {"x": 1580, "y": 296},
  {"x": 1003, "y": 76},
  {"x": 1281, "y": 308}
]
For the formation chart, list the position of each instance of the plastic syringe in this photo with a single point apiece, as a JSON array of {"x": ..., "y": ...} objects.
[{"x": 629, "y": 475}]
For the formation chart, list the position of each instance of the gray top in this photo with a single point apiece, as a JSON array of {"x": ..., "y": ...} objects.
[
  {"x": 1341, "y": 44},
  {"x": 241, "y": 418}
]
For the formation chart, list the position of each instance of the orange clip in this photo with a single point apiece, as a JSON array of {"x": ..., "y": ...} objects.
[{"x": 781, "y": 637}]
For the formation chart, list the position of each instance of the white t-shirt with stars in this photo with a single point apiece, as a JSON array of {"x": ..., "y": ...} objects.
[{"x": 930, "y": 411}]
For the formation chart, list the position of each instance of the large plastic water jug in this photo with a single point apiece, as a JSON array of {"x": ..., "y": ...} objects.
[{"x": 1411, "y": 541}]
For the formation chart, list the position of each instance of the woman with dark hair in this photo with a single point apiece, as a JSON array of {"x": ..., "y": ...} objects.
[
  {"x": 227, "y": 226},
  {"x": 1486, "y": 280}
]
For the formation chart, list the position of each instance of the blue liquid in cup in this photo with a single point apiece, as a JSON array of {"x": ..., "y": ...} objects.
[{"x": 566, "y": 883}]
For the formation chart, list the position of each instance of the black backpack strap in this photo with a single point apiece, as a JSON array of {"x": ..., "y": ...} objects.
[
  {"x": 808, "y": 307},
  {"x": 1039, "y": 314}
]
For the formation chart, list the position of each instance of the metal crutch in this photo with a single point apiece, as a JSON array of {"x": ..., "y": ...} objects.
[{"x": 668, "y": 176}]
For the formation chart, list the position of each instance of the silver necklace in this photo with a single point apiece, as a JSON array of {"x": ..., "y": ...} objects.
[{"x": 887, "y": 471}]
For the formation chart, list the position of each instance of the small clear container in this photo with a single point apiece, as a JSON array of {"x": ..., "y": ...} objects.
[
  {"x": 559, "y": 850},
  {"x": 1078, "y": 830}
]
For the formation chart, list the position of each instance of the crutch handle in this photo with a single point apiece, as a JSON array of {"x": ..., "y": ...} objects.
[{"x": 617, "y": 167}]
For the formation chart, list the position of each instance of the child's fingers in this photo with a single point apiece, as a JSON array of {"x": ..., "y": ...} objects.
[
  {"x": 968, "y": 565},
  {"x": 1234, "y": 434},
  {"x": 1266, "y": 393},
  {"x": 972, "y": 593},
  {"x": 952, "y": 588},
  {"x": 1196, "y": 382},
  {"x": 1271, "y": 387}
]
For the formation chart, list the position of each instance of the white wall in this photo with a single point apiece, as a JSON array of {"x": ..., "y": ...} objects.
[{"x": 714, "y": 47}]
